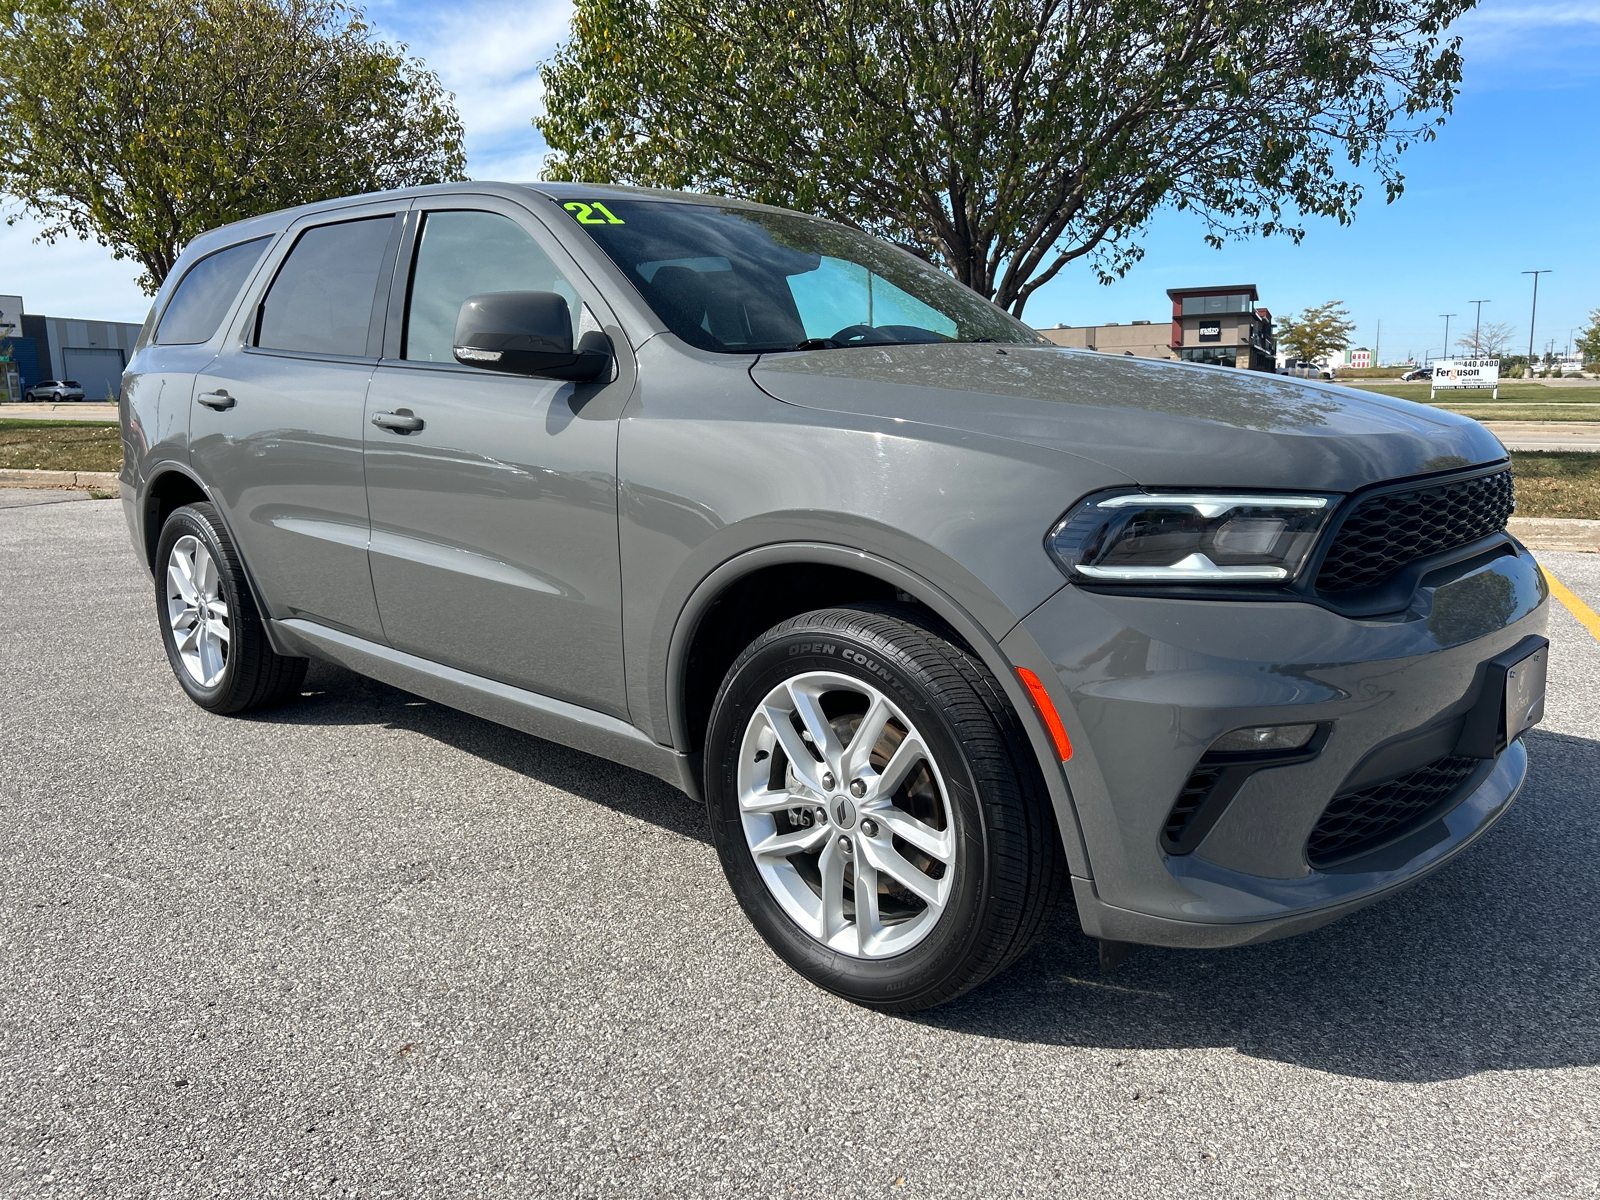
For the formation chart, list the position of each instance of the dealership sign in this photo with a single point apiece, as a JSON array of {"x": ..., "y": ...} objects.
[{"x": 1454, "y": 374}]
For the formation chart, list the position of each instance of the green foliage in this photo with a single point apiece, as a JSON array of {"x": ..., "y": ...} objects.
[
  {"x": 1318, "y": 332},
  {"x": 142, "y": 123},
  {"x": 1006, "y": 138},
  {"x": 1588, "y": 342}
]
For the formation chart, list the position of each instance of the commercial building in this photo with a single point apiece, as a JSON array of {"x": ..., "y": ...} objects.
[
  {"x": 1142, "y": 339},
  {"x": 1218, "y": 325},
  {"x": 91, "y": 352}
]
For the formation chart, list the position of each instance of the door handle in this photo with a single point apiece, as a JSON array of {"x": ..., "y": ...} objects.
[
  {"x": 400, "y": 422},
  {"x": 218, "y": 399}
]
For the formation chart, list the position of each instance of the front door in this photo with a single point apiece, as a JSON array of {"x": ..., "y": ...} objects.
[
  {"x": 276, "y": 430},
  {"x": 494, "y": 524}
]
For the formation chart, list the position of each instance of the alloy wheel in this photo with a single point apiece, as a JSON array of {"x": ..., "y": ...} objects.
[
  {"x": 197, "y": 610},
  {"x": 846, "y": 814}
]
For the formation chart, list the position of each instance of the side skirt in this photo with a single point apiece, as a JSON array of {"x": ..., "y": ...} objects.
[{"x": 554, "y": 720}]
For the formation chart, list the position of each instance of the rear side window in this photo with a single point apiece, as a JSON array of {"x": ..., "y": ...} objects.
[
  {"x": 206, "y": 292},
  {"x": 463, "y": 254},
  {"x": 322, "y": 300}
]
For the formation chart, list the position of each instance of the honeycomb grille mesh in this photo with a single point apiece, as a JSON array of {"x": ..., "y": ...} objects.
[
  {"x": 1354, "y": 821},
  {"x": 1389, "y": 532}
]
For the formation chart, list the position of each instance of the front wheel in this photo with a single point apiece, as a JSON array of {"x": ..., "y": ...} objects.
[
  {"x": 210, "y": 627},
  {"x": 877, "y": 808}
]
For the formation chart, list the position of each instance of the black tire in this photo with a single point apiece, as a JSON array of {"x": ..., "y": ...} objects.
[
  {"x": 254, "y": 676},
  {"x": 1009, "y": 868}
]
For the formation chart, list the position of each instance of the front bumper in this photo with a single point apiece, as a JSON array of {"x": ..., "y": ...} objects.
[{"x": 1145, "y": 685}]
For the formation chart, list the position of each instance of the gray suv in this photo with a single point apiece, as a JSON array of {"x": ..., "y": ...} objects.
[
  {"x": 944, "y": 624},
  {"x": 54, "y": 391}
]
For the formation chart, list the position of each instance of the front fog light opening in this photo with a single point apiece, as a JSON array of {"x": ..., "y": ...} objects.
[
  {"x": 1256, "y": 739},
  {"x": 1184, "y": 538},
  {"x": 1224, "y": 769}
]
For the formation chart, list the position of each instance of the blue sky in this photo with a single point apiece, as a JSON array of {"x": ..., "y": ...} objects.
[{"x": 1508, "y": 186}]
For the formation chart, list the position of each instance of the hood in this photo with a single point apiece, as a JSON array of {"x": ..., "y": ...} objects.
[{"x": 1165, "y": 424}]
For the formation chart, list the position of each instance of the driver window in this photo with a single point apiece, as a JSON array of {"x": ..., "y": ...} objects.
[
  {"x": 461, "y": 254},
  {"x": 839, "y": 294}
]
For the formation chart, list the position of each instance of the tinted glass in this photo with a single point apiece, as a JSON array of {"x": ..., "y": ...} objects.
[
  {"x": 737, "y": 280},
  {"x": 206, "y": 292},
  {"x": 461, "y": 254},
  {"x": 321, "y": 301}
]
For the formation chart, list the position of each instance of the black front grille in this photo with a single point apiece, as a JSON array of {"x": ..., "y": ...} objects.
[
  {"x": 1357, "y": 821},
  {"x": 1388, "y": 532}
]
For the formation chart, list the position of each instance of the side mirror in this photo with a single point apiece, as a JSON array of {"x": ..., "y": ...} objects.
[{"x": 527, "y": 333}]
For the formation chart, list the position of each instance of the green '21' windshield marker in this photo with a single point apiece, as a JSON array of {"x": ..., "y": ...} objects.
[{"x": 585, "y": 213}]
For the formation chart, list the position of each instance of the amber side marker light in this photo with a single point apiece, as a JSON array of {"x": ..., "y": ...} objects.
[{"x": 1047, "y": 710}]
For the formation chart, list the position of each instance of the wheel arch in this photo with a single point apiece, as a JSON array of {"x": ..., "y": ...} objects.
[
  {"x": 700, "y": 651},
  {"x": 172, "y": 486}
]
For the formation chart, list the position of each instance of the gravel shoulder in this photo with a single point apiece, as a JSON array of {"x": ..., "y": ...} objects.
[{"x": 369, "y": 946}]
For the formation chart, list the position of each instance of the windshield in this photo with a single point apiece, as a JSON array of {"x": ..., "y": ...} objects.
[{"x": 738, "y": 281}]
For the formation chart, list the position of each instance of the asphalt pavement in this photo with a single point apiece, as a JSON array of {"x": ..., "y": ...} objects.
[{"x": 365, "y": 945}]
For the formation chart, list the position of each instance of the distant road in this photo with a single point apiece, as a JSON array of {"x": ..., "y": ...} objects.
[{"x": 1547, "y": 435}]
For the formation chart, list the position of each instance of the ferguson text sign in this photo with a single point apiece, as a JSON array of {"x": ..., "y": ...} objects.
[{"x": 1467, "y": 373}]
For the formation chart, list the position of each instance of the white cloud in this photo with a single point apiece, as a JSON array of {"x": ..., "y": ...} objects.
[{"x": 489, "y": 55}]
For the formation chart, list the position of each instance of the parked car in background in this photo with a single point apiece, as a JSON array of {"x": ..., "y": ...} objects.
[
  {"x": 1419, "y": 373},
  {"x": 53, "y": 391},
  {"x": 944, "y": 624}
]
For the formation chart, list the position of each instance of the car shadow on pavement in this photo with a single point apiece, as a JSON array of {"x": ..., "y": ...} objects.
[
  {"x": 333, "y": 695},
  {"x": 1493, "y": 963}
]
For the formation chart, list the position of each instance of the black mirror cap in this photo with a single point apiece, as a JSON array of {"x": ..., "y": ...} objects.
[{"x": 527, "y": 333}]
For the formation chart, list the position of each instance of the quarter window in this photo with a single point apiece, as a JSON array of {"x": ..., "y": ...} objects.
[
  {"x": 322, "y": 300},
  {"x": 462, "y": 254},
  {"x": 205, "y": 294}
]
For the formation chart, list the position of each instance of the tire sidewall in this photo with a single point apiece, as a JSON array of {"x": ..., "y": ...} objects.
[
  {"x": 782, "y": 654},
  {"x": 191, "y": 520}
]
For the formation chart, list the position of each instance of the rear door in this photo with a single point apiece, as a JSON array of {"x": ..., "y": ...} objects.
[
  {"x": 276, "y": 430},
  {"x": 494, "y": 525}
]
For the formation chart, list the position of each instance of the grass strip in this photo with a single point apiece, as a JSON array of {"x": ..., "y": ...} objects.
[
  {"x": 1557, "y": 483},
  {"x": 60, "y": 446},
  {"x": 1555, "y": 413},
  {"x": 1538, "y": 393}
]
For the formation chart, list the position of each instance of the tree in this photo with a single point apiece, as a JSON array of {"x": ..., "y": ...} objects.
[
  {"x": 1005, "y": 139},
  {"x": 1318, "y": 332},
  {"x": 142, "y": 123},
  {"x": 1493, "y": 340},
  {"x": 1588, "y": 342}
]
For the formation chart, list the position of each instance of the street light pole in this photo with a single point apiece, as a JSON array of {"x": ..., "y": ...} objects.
[
  {"x": 1447, "y": 317},
  {"x": 1534, "y": 315},
  {"x": 1477, "y": 349}
]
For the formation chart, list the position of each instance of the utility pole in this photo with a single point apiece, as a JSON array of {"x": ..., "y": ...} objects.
[
  {"x": 1535, "y": 314},
  {"x": 1447, "y": 317},
  {"x": 1477, "y": 350},
  {"x": 1377, "y": 340}
]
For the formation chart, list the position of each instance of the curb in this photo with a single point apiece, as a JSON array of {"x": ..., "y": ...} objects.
[
  {"x": 99, "y": 481},
  {"x": 1556, "y": 533}
]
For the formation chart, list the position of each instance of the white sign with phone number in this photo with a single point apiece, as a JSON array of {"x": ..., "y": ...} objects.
[{"x": 1452, "y": 374}]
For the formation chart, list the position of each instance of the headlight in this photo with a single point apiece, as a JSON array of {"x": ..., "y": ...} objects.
[{"x": 1189, "y": 537}]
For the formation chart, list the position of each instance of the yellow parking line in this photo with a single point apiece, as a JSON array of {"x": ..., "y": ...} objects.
[{"x": 1590, "y": 618}]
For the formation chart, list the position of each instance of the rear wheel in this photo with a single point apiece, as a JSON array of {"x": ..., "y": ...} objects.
[
  {"x": 877, "y": 808},
  {"x": 210, "y": 627}
]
